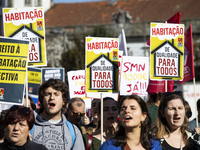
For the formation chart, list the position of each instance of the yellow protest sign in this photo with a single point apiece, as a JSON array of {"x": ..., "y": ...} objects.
[
  {"x": 27, "y": 23},
  {"x": 166, "y": 51},
  {"x": 101, "y": 64},
  {"x": 13, "y": 66},
  {"x": 34, "y": 80}
]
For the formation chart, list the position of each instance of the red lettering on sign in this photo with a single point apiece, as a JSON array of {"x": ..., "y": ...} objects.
[
  {"x": 166, "y": 71},
  {"x": 160, "y": 61},
  {"x": 95, "y": 75},
  {"x": 132, "y": 66},
  {"x": 173, "y": 63},
  {"x": 79, "y": 92},
  {"x": 33, "y": 56},
  {"x": 32, "y": 47},
  {"x": 102, "y": 83},
  {"x": 78, "y": 77},
  {"x": 36, "y": 56},
  {"x": 166, "y": 62},
  {"x": 102, "y": 75}
]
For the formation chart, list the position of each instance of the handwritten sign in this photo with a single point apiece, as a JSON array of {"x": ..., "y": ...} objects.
[
  {"x": 134, "y": 76},
  {"x": 76, "y": 80}
]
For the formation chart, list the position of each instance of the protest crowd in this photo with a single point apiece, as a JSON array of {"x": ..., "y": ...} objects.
[
  {"x": 128, "y": 123},
  {"x": 60, "y": 121}
]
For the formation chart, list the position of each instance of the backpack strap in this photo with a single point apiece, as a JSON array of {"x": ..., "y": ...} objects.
[
  {"x": 31, "y": 132},
  {"x": 71, "y": 129}
]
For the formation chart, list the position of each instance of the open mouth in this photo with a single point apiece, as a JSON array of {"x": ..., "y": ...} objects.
[
  {"x": 95, "y": 113},
  {"x": 176, "y": 119},
  {"x": 52, "y": 105},
  {"x": 127, "y": 118},
  {"x": 111, "y": 118}
]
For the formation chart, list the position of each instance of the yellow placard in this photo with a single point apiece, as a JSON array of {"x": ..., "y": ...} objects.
[
  {"x": 101, "y": 64},
  {"x": 12, "y": 77},
  {"x": 13, "y": 68},
  {"x": 34, "y": 77},
  {"x": 13, "y": 60},
  {"x": 166, "y": 51},
  {"x": 27, "y": 23}
]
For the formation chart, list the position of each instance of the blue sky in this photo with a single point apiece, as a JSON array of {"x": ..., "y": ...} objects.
[{"x": 75, "y": 1}]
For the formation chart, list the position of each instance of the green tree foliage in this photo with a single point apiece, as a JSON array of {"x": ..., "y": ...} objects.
[{"x": 74, "y": 59}]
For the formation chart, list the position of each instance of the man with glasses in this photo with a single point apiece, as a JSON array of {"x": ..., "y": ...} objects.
[
  {"x": 51, "y": 127},
  {"x": 75, "y": 111}
]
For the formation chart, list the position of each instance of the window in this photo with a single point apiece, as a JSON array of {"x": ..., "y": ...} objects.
[
  {"x": 39, "y": 3},
  {"x": 27, "y": 2}
]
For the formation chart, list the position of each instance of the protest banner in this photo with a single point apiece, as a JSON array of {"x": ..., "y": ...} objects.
[
  {"x": 101, "y": 64},
  {"x": 27, "y": 23},
  {"x": 76, "y": 80},
  {"x": 159, "y": 86},
  {"x": 101, "y": 67},
  {"x": 167, "y": 51},
  {"x": 56, "y": 73},
  {"x": 174, "y": 19},
  {"x": 34, "y": 80},
  {"x": 188, "y": 56},
  {"x": 134, "y": 75},
  {"x": 13, "y": 68}
]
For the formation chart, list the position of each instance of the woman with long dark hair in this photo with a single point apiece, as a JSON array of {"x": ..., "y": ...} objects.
[
  {"x": 171, "y": 126},
  {"x": 134, "y": 128}
]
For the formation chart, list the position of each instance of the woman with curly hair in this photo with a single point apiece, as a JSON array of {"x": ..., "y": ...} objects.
[
  {"x": 134, "y": 128},
  {"x": 171, "y": 126}
]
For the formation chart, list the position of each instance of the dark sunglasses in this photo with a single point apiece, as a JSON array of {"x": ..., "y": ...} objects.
[
  {"x": 170, "y": 93},
  {"x": 78, "y": 114},
  {"x": 25, "y": 110}
]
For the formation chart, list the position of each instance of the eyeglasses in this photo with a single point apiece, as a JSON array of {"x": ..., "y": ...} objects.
[
  {"x": 24, "y": 110},
  {"x": 170, "y": 93},
  {"x": 78, "y": 114}
]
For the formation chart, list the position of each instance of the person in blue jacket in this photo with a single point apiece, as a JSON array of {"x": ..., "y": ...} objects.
[{"x": 134, "y": 127}]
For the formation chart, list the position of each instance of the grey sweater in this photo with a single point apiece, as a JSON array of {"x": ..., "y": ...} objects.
[{"x": 55, "y": 136}]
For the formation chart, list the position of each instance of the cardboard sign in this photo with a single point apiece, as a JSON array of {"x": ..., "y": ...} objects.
[
  {"x": 76, "y": 80},
  {"x": 13, "y": 67},
  {"x": 101, "y": 64},
  {"x": 167, "y": 51},
  {"x": 34, "y": 80},
  {"x": 27, "y": 23},
  {"x": 134, "y": 76},
  {"x": 56, "y": 73}
]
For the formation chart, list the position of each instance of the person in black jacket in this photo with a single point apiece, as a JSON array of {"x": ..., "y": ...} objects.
[{"x": 18, "y": 122}]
